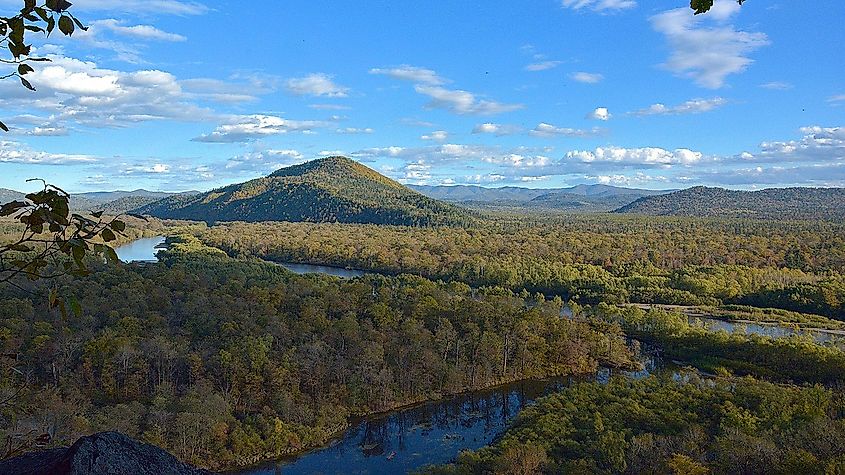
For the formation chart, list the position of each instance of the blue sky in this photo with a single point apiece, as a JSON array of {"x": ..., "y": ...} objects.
[{"x": 175, "y": 95}]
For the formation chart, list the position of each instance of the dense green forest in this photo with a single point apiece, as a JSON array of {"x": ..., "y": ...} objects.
[
  {"x": 794, "y": 359},
  {"x": 227, "y": 363},
  {"x": 684, "y": 425},
  {"x": 333, "y": 189},
  {"x": 773, "y": 203},
  {"x": 685, "y": 422},
  {"x": 788, "y": 265}
]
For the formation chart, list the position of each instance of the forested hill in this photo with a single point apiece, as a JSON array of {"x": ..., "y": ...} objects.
[
  {"x": 333, "y": 189},
  {"x": 773, "y": 203},
  {"x": 110, "y": 202},
  {"x": 596, "y": 198}
]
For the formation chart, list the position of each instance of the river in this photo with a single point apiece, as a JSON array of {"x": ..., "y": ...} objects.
[
  {"x": 140, "y": 250},
  {"x": 435, "y": 432},
  {"x": 772, "y": 330},
  {"x": 326, "y": 270}
]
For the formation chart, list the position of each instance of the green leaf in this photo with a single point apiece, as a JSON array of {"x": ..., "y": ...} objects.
[
  {"x": 27, "y": 84},
  {"x": 701, "y": 6},
  {"x": 19, "y": 247},
  {"x": 66, "y": 25},
  {"x": 78, "y": 253},
  {"x": 75, "y": 307},
  {"x": 118, "y": 225},
  {"x": 41, "y": 13},
  {"x": 107, "y": 235},
  {"x": 111, "y": 256},
  {"x": 11, "y": 208},
  {"x": 79, "y": 24},
  {"x": 25, "y": 69}
]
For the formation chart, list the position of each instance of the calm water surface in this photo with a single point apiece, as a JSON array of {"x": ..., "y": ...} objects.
[
  {"x": 326, "y": 270},
  {"x": 771, "y": 330},
  {"x": 430, "y": 433},
  {"x": 140, "y": 250}
]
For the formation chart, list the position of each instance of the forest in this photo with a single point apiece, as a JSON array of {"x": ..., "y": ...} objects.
[
  {"x": 688, "y": 425},
  {"x": 227, "y": 360},
  {"x": 769, "y": 406},
  {"x": 795, "y": 266},
  {"x": 226, "y": 363}
]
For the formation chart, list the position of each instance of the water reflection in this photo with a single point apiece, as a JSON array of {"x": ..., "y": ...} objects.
[
  {"x": 327, "y": 270},
  {"x": 770, "y": 330},
  {"x": 140, "y": 250},
  {"x": 431, "y": 433}
]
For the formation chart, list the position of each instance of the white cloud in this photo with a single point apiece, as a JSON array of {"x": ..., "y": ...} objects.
[
  {"x": 516, "y": 160},
  {"x": 263, "y": 161},
  {"x": 456, "y": 101},
  {"x": 318, "y": 85},
  {"x": 488, "y": 178},
  {"x": 158, "y": 7},
  {"x": 143, "y": 32},
  {"x": 824, "y": 175},
  {"x": 543, "y": 65},
  {"x": 707, "y": 54},
  {"x": 463, "y": 102},
  {"x": 836, "y": 99},
  {"x": 818, "y": 144},
  {"x": 48, "y": 131},
  {"x": 601, "y": 113},
  {"x": 418, "y": 171},
  {"x": 600, "y": 5},
  {"x": 548, "y": 130},
  {"x": 328, "y": 107},
  {"x": 587, "y": 78},
  {"x": 638, "y": 156},
  {"x": 452, "y": 153},
  {"x": 224, "y": 92},
  {"x": 496, "y": 129},
  {"x": 777, "y": 86},
  {"x": 354, "y": 130},
  {"x": 638, "y": 179},
  {"x": 251, "y": 127},
  {"x": 14, "y": 152},
  {"x": 694, "y": 106},
  {"x": 69, "y": 90},
  {"x": 412, "y": 73},
  {"x": 437, "y": 136}
]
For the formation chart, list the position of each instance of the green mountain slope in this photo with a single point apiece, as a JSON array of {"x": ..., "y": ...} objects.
[
  {"x": 334, "y": 189},
  {"x": 774, "y": 203},
  {"x": 583, "y": 203}
]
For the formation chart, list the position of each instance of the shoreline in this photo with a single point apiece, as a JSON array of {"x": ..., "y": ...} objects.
[{"x": 357, "y": 419}]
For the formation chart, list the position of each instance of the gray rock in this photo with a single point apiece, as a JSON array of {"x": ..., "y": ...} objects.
[{"x": 106, "y": 453}]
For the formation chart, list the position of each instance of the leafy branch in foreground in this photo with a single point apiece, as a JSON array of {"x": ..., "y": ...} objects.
[
  {"x": 35, "y": 18},
  {"x": 54, "y": 241},
  {"x": 704, "y": 6}
]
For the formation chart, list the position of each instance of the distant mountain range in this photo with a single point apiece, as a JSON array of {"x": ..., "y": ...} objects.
[
  {"x": 110, "y": 202},
  {"x": 582, "y": 198},
  {"x": 333, "y": 189},
  {"x": 773, "y": 203},
  {"x": 337, "y": 189}
]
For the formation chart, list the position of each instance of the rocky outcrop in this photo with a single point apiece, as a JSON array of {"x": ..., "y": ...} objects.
[{"x": 106, "y": 453}]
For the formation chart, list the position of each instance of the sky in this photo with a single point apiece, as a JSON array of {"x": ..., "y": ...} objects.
[{"x": 176, "y": 95}]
